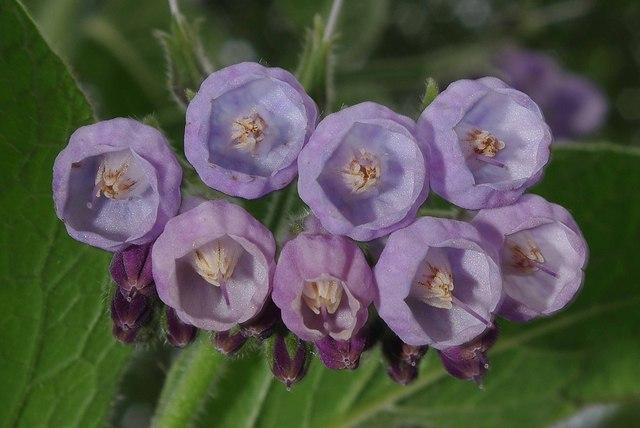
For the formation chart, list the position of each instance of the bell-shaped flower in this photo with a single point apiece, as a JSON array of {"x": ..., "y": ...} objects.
[
  {"x": 363, "y": 173},
  {"x": 213, "y": 264},
  {"x": 543, "y": 255},
  {"x": 323, "y": 287},
  {"x": 245, "y": 128},
  {"x": 438, "y": 285},
  {"x": 116, "y": 184},
  {"x": 488, "y": 143}
]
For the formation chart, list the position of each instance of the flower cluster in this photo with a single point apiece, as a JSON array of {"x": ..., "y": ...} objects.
[{"x": 365, "y": 173}]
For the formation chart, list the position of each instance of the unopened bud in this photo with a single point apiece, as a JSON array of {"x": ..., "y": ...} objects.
[
  {"x": 402, "y": 359},
  {"x": 469, "y": 361},
  {"x": 179, "y": 333},
  {"x": 131, "y": 270},
  {"x": 261, "y": 326},
  {"x": 129, "y": 315},
  {"x": 342, "y": 354},
  {"x": 228, "y": 343},
  {"x": 286, "y": 369},
  {"x": 401, "y": 372},
  {"x": 396, "y": 349}
]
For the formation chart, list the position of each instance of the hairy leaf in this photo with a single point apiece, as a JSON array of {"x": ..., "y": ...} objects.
[{"x": 59, "y": 364}]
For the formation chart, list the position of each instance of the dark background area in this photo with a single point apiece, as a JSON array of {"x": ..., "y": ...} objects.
[{"x": 387, "y": 47}]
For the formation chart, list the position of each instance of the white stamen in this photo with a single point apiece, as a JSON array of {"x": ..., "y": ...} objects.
[
  {"x": 217, "y": 260},
  {"x": 436, "y": 287},
  {"x": 116, "y": 178},
  {"x": 362, "y": 172},
  {"x": 247, "y": 132},
  {"x": 484, "y": 143},
  {"x": 323, "y": 292}
]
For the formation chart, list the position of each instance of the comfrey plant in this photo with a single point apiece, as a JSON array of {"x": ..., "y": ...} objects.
[{"x": 365, "y": 264}]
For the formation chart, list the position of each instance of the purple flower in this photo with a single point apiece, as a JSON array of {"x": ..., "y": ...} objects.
[
  {"x": 363, "y": 174},
  {"x": 488, "y": 143},
  {"x": 323, "y": 287},
  {"x": 245, "y": 128},
  {"x": 573, "y": 106},
  {"x": 213, "y": 264},
  {"x": 437, "y": 285},
  {"x": 116, "y": 184},
  {"x": 542, "y": 254}
]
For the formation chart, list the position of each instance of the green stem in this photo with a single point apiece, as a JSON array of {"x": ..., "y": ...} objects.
[{"x": 187, "y": 384}]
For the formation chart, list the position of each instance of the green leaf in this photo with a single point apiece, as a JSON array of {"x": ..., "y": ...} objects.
[
  {"x": 60, "y": 364},
  {"x": 541, "y": 372}
]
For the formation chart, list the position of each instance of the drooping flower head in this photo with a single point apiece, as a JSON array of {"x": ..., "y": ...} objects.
[
  {"x": 488, "y": 143},
  {"x": 116, "y": 184},
  {"x": 363, "y": 174},
  {"x": 245, "y": 128},
  {"x": 323, "y": 287},
  {"x": 573, "y": 105},
  {"x": 542, "y": 253},
  {"x": 437, "y": 285},
  {"x": 213, "y": 264}
]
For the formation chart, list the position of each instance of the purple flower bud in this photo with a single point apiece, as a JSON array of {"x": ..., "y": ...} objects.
[
  {"x": 213, "y": 264},
  {"x": 261, "y": 326},
  {"x": 469, "y": 361},
  {"x": 437, "y": 285},
  {"x": 286, "y": 368},
  {"x": 396, "y": 349},
  {"x": 488, "y": 143},
  {"x": 572, "y": 105},
  {"x": 131, "y": 270},
  {"x": 179, "y": 334},
  {"x": 401, "y": 372},
  {"x": 129, "y": 315},
  {"x": 124, "y": 335},
  {"x": 228, "y": 343},
  {"x": 363, "y": 174},
  {"x": 323, "y": 287},
  {"x": 342, "y": 354},
  {"x": 543, "y": 255},
  {"x": 245, "y": 128},
  {"x": 116, "y": 184}
]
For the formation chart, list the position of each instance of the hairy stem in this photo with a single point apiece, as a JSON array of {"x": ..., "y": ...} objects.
[{"x": 187, "y": 384}]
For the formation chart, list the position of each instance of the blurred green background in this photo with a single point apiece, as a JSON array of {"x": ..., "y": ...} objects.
[{"x": 386, "y": 49}]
